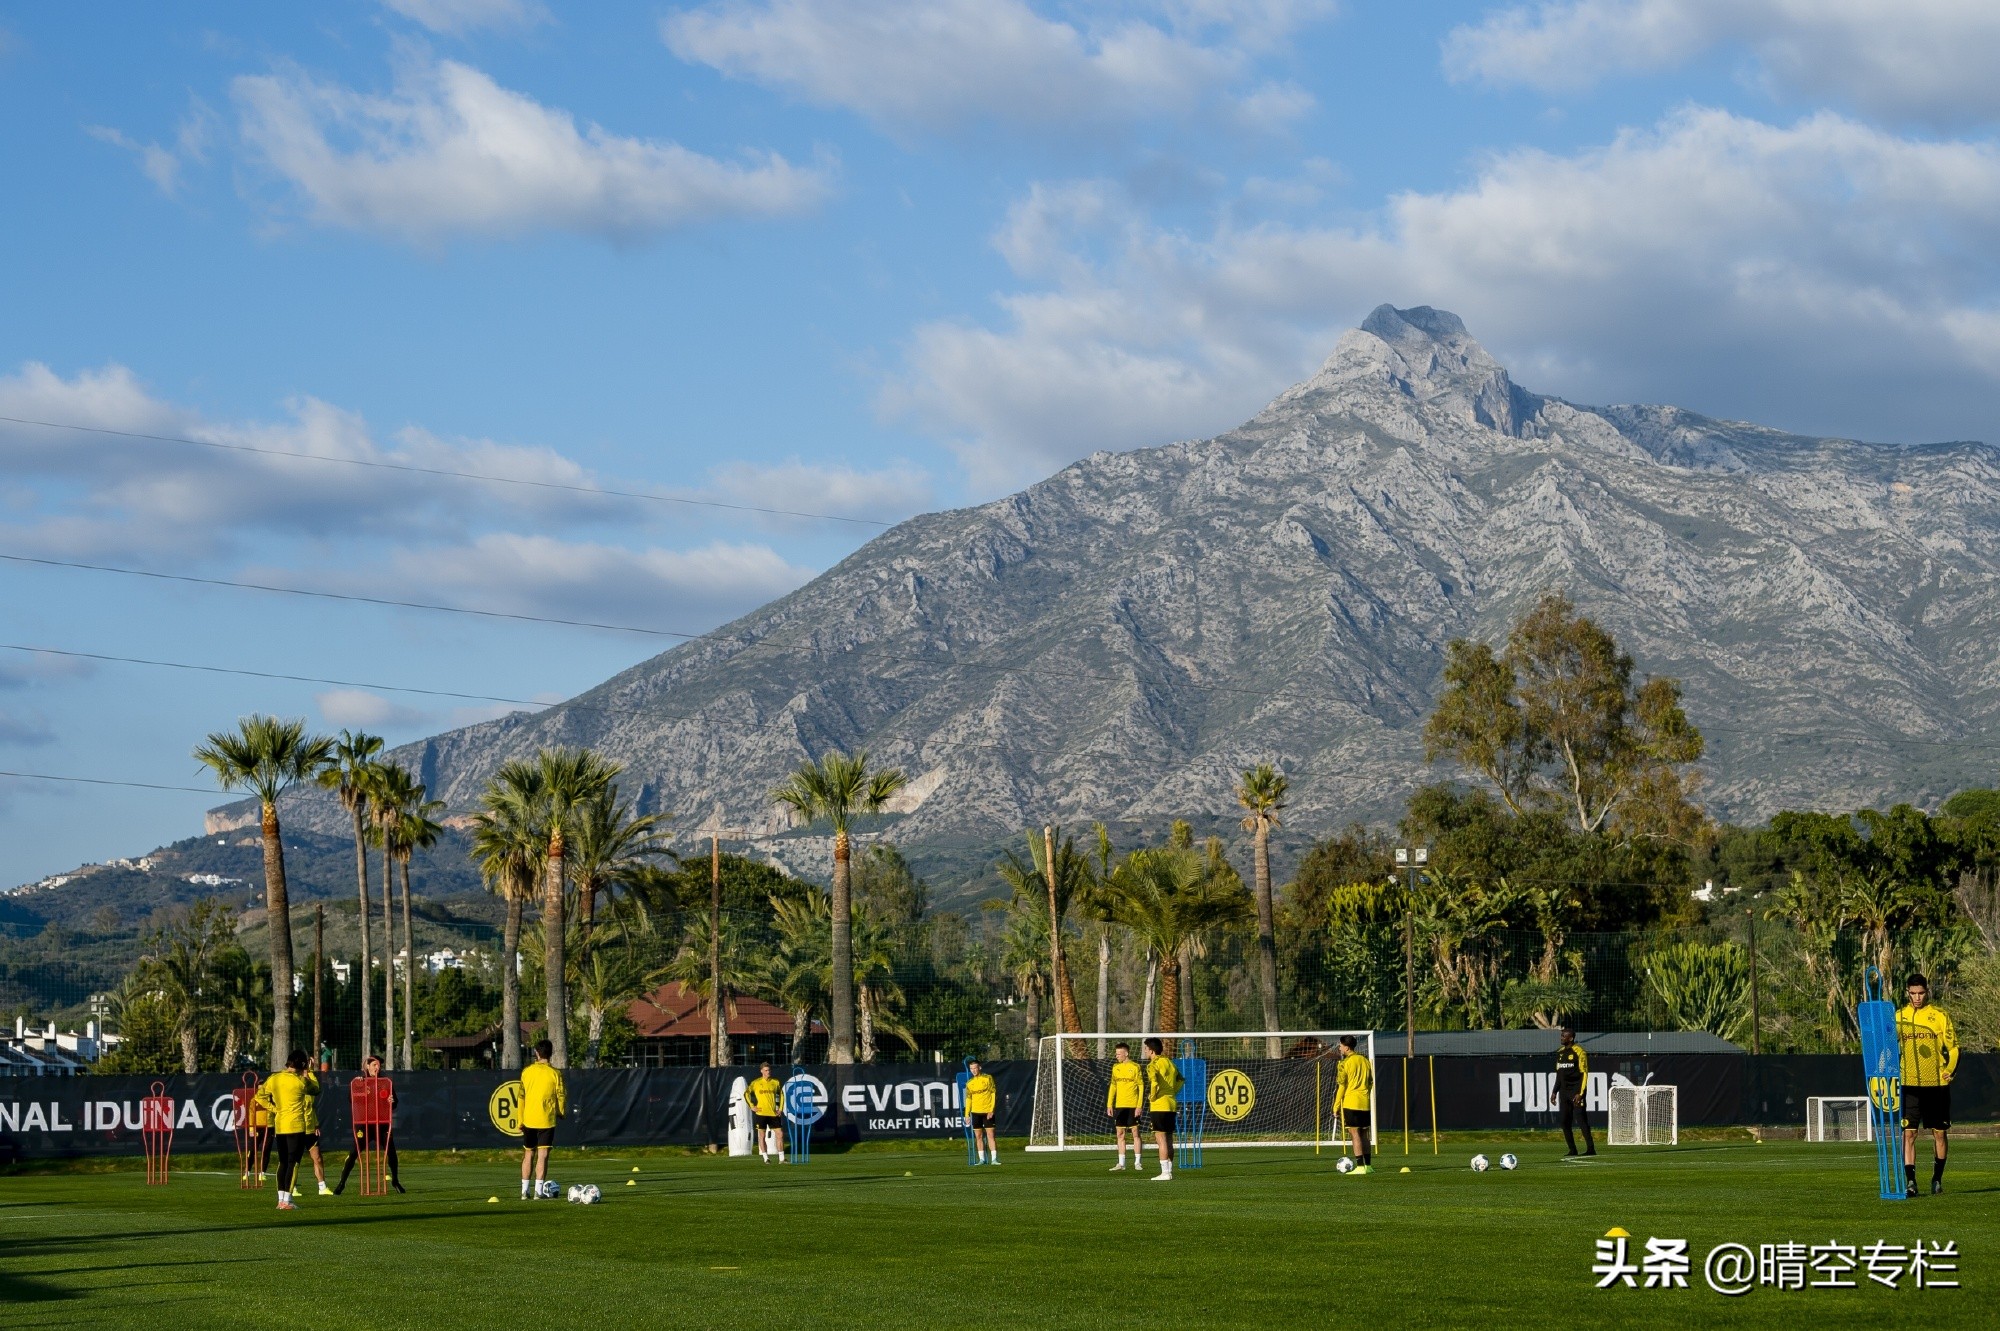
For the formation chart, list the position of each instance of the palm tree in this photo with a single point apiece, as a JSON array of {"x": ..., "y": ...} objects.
[
  {"x": 1171, "y": 897},
  {"x": 1262, "y": 793},
  {"x": 392, "y": 793},
  {"x": 1025, "y": 958},
  {"x": 571, "y": 780},
  {"x": 609, "y": 842},
  {"x": 837, "y": 789},
  {"x": 267, "y": 757},
  {"x": 508, "y": 841},
  {"x": 415, "y": 829},
  {"x": 878, "y": 997},
  {"x": 347, "y": 775},
  {"x": 242, "y": 996},
  {"x": 1068, "y": 885},
  {"x": 800, "y": 975},
  {"x": 179, "y": 968},
  {"x": 608, "y": 980},
  {"x": 690, "y": 968}
]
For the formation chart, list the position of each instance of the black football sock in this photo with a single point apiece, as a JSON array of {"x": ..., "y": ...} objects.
[
  {"x": 1910, "y": 1173},
  {"x": 1937, "y": 1170}
]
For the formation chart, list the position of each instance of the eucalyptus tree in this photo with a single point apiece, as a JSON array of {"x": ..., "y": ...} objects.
[
  {"x": 836, "y": 790},
  {"x": 267, "y": 757},
  {"x": 347, "y": 774},
  {"x": 508, "y": 841},
  {"x": 1262, "y": 793}
]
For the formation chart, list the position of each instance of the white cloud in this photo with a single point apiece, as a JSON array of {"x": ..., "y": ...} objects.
[
  {"x": 646, "y": 588},
  {"x": 163, "y": 165},
  {"x": 935, "y": 64},
  {"x": 1925, "y": 60},
  {"x": 455, "y": 17},
  {"x": 450, "y": 151},
  {"x": 1824, "y": 275},
  {"x": 889, "y": 494},
  {"x": 365, "y": 710}
]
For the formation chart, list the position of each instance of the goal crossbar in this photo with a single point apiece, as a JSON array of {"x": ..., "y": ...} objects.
[{"x": 1255, "y": 1096}]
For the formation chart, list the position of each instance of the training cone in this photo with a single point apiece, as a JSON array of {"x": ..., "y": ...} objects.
[
  {"x": 492, "y": 1199},
  {"x": 1404, "y": 1170},
  {"x": 635, "y": 1169},
  {"x": 631, "y": 1183},
  {"x": 909, "y": 1173}
]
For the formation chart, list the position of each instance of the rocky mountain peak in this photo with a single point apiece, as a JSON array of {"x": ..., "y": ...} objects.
[{"x": 1426, "y": 354}]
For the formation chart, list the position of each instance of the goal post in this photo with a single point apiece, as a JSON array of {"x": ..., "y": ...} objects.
[
  {"x": 1839, "y": 1118},
  {"x": 1647, "y": 1115},
  {"x": 1252, "y": 1098}
]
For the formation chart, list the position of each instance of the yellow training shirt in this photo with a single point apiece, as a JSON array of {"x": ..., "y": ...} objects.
[
  {"x": 1128, "y": 1086},
  {"x": 284, "y": 1099},
  {"x": 1930, "y": 1045},
  {"x": 1162, "y": 1080},
  {"x": 981, "y": 1094},
  {"x": 1353, "y": 1084},
  {"x": 762, "y": 1096},
  {"x": 312, "y": 1103},
  {"x": 543, "y": 1096}
]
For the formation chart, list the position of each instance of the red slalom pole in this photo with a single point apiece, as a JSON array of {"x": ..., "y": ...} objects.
[{"x": 156, "y": 1131}]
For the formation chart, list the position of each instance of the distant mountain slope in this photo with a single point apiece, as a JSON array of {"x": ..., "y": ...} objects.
[{"x": 1119, "y": 640}]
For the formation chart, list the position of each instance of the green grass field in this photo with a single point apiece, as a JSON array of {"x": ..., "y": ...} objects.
[{"x": 882, "y": 1238}]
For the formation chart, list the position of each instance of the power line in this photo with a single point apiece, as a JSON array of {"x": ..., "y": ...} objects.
[
  {"x": 101, "y": 781},
  {"x": 448, "y": 472}
]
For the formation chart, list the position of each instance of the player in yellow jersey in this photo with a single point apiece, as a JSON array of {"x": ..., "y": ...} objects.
[
  {"x": 1930, "y": 1060},
  {"x": 982, "y": 1105},
  {"x": 763, "y": 1097},
  {"x": 1122, "y": 1100},
  {"x": 284, "y": 1097},
  {"x": 1354, "y": 1097},
  {"x": 1163, "y": 1083},
  {"x": 544, "y": 1099},
  {"x": 312, "y": 1133}
]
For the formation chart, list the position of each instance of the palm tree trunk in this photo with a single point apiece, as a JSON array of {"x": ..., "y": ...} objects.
[
  {"x": 843, "y": 955},
  {"x": 367, "y": 946},
  {"x": 409, "y": 977},
  {"x": 1146, "y": 1004},
  {"x": 231, "y": 1044},
  {"x": 586, "y": 907},
  {"x": 1267, "y": 940},
  {"x": 867, "y": 1008},
  {"x": 510, "y": 985},
  {"x": 1031, "y": 1020},
  {"x": 188, "y": 1060},
  {"x": 801, "y": 1028},
  {"x": 1170, "y": 997},
  {"x": 555, "y": 952},
  {"x": 388, "y": 960},
  {"x": 1103, "y": 986},
  {"x": 1186, "y": 970},
  {"x": 279, "y": 905},
  {"x": 596, "y": 1015}
]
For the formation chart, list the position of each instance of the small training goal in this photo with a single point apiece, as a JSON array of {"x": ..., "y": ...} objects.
[
  {"x": 1256, "y": 1088},
  {"x": 1646, "y": 1115},
  {"x": 1839, "y": 1118}
]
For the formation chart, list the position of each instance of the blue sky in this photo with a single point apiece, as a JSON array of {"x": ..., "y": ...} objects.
[{"x": 855, "y": 257}]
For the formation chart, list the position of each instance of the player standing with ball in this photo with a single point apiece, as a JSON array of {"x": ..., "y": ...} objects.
[
  {"x": 544, "y": 1099},
  {"x": 1354, "y": 1097},
  {"x": 761, "y": 1097}
]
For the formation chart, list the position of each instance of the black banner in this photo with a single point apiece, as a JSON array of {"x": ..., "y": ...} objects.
[{"x": 48, "y": 1117}]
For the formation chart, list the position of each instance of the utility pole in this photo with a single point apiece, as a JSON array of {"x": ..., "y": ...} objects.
[
  {"x": 319, "y": 965},
  {"x": 1756, "y": 1013},
  {"x": 718, "y": 1024},
  {"x": 1409, "y": 859}
]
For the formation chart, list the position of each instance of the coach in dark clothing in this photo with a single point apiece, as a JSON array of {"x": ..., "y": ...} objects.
[{"x": 1572, "y": 1082}]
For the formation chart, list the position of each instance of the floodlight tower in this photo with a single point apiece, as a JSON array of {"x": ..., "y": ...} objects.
[{"x": 1409, "y": 859}]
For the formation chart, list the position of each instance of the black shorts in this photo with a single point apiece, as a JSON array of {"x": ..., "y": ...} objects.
[
  {"x": 980, "y": 1120},
  {"x": 1162, "y": 1120},
  {"x": 1927, "y": 1107},
  {"x": 763, "y": 1121},
  {"x": 1125, "y": 1117},
  {"x": 534, "y": 1137},
  {"x": 1354, "y": 1118}
]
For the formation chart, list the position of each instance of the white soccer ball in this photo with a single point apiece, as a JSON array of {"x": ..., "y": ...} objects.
[
  {"x": 1510, "y": 1161},
  {"x": 1480, "y": 1164},
  {"x": 584, "y": 1194},
  {"x": 1344, "y": 1165},
  {"x": 550, "y": 1189}
]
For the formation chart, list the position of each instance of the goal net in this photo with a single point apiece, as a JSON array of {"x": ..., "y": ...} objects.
[
  {"x": 1263, "y": 1088},
  {"x": 1839, "y": 1118},
  {"x": 1644, "y": 1115}
]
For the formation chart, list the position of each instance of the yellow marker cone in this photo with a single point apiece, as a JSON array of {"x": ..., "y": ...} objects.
[
  {"x": 635, "y": 1169},
  {"x": 631, "y": 1183},
  {"x": 492, "y": 1199},
  {"x": 1618, "y": 1232},
  {"x": 1404, "y": 1170}
]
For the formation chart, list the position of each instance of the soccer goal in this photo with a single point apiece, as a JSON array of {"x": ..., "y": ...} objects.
[
  {"x": 1839, "y": 1118},
  {"x": 1263, "y": 1088},
  {"x": 1646, "y": 1115}
]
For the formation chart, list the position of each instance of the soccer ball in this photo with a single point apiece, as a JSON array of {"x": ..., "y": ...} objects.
[
  {"x": 550, "y": 1190},
  {"x": 584, "y": 1194},
  {"x": 1344, "y": 1165},
  {"x": 1510, "y": 1161},
  {"x": 1480, "y": 1164}
]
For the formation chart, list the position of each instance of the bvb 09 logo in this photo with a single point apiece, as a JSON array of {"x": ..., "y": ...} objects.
[
  {"x": 1886, "y": 1093},
  {"x": 1231, "y": 1095},
  {"x": 505, "y": 1108}
]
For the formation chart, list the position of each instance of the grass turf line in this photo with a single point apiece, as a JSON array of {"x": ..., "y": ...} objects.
[{"x": 891, "y": 1238}]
